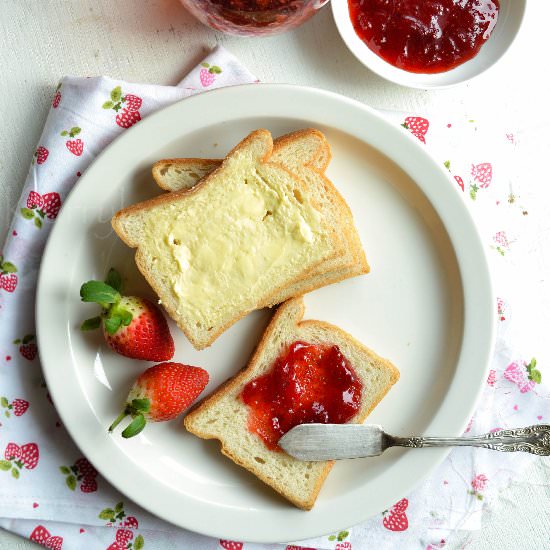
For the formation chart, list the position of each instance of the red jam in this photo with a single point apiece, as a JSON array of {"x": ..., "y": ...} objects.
[
  {"x": 308, "y": 383},
  {"x": 424, "y": 36}
]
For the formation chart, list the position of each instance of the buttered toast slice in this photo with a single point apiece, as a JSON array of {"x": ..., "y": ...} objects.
[
  {"x": 229, "y": 245},
  {"x": 225, "y": 417},
  {"x": 307, "y": 153}
]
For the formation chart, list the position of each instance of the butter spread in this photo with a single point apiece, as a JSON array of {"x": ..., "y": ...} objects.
[{"x": 220, "y": 247}]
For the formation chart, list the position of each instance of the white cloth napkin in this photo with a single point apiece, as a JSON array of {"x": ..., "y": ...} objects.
[{"x": 48, "y": 490}]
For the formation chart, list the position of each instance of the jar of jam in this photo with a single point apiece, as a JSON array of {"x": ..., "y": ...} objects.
[{"x": 253, "y": 17}]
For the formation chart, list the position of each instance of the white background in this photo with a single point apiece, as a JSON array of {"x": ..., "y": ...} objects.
[{"x": 156, "y": 41}]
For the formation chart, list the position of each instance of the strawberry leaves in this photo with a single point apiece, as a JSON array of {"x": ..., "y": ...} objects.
[
  {"x": 137, "y": 408},
  {"x": 533, "y": 373},
  {"x": 135, "y": 427},
  {"x": 99, "y": 292}
]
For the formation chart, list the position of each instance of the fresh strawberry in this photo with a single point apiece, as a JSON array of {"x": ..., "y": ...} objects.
[
  {"x": 396, "y": 519},
  {"x": 231, "y": 545},
  {"x": 13, "y": 451},
  {"x": 161, "y": 393},
  {"x": 127, "y": 118},
  {"x": 123, "y": 537},
  {"x": 8, "y": 278},
  {"x": 483, "y": 174},
  {"x": 460, "y": 182},
  {"x": 41, "y": 155},
  {"x": 208, "y": 74},
  {"x": 132, "y": 102},
  {"x": 30, "y": 455},
  {"x": 88, "y": 485},
  {"x": 85, "y": 469},
  {"x": 131, "y": 522},
  {"x": 76, "y": 147},
  {"x": 132, "y": 326},
  {"x": 51, "y": 204},
  {"x": 418, "y": 127},
  {"x": 20, "y": 406}
]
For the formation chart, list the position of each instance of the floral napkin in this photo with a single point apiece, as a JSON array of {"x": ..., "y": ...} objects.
[{"x": 51, "y": 494}]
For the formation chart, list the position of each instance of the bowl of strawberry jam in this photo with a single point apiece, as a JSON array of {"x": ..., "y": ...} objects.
[
  {"x": 307, "y": 383},
  {"x": 428, "y": 43}
]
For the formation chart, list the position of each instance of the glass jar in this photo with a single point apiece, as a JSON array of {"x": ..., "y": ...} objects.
[{"x": 253, "y": 17}]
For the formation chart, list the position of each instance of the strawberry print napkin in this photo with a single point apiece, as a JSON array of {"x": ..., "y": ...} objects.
[{"x": 52, "y": 495}]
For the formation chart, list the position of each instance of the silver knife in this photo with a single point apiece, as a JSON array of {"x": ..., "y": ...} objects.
[{"x": 337, "y": 441}]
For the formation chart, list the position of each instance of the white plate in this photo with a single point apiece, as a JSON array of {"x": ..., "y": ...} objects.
[
  {"x": 509, "y": 22},
  {"x": 427, "y": 305}
]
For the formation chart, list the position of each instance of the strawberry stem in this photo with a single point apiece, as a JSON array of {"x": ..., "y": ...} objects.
[{"x": 119, "y": 419}]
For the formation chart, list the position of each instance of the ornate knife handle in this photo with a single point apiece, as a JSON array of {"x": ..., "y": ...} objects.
[{"x": 533, "y": 439}]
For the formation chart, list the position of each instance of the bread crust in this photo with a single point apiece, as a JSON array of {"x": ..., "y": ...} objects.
[{"x": 294, "y": 310}]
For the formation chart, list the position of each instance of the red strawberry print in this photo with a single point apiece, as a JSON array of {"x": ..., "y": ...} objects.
[
  {"x": 12, "y": 452},
  {"x": 208, "y": 74},
  {"x": 51, "y": 204},
  {"x": 42, "y": 536},
  {"x": 418, "y": 127},
  {"x": 479, "y": 482},
  {"x": 89, "y": 485},
  {"x": 123, "y": 537},
  {"x": 231, "y": 545},
  {"x": 294, "y": 547},
  {"x": 396, "y": 519},
  {"x": 34, "y": 200},
  {"x": 492, "y": 378},
  {"x": 483, "y": 174},
  {"x": 130, "y": 105},
  {"x": 27, "y": 348},
  {"x": 502, "y": 242},
  {"x": 460, "y": 182},
  {"x": 127, "y": 118},
  {"x": 132, "y": 102},
  {"x": 30, "y": 455},
  {"x": 20, "y": 407},
  {"x": 76, "y": 146},
  {"x": 57, "y": 97},
  {"x": 8, "y": 278},
  {"x": 131, "y": 522},
  {"x": 41, "y": 155},
  {"x": 41, "y": 206},
  {"x": 524, "y": 376},
  {"x": 343, "y": 546},
  {"x": 84, "y": 467}
]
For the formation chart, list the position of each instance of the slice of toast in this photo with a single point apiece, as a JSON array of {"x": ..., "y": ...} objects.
[
  {"x": 224, "y": 416},
  {"x": 229, "y": 245},
  {"x": 307, "y": 153}
]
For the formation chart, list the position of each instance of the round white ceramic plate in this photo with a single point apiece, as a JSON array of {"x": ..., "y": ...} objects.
[
  {"x": 509, "y": 22},
  {"x": 427, "y": 305}
]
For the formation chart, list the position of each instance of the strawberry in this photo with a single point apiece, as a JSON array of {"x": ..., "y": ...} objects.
[
  {"x": 8, "y": 278},
  {"x": 85, "y": 469},
  {"x": 40, "y": 535},
  {"x": 231, "y": 545},
  {"x": 208, "y": 74},
  {"x": 396, "y": 519},
  {"x": 51, "y": 204},
  {"x": 483, "y": 174},
  {"x": 123, "y": 537},
  {"x": 132, "y": 326},
  {"x": 479, "y": 482},
  {"x": 41, "y": 155},
  {"x": 161, "y": 393},
  {"x": 20, "y": 406},
  {"x": 34, "y": 200},
  {"x": 460, "y": 182},
  {"x": 127, "y": 118},
  {"x": 54, "y": 543},
  {"x": 56, "y": 97},
  {"x": 418, "y": 127},
  {"x": 13, "y": 451},
  {"x": 131, "y": 522},
  {"x": 132, "y": 102},
  {"x": 28, "y": 351},
  {"x": 30, "y": 455},
  {"x": 76, "y": 147},
  {"x": 88, "y": 485}
]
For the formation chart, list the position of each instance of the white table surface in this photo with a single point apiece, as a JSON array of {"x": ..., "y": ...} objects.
[{"x": 157, "y": 42}]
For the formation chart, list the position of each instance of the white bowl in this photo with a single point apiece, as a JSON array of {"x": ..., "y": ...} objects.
[{"x": 509, "y": 21}]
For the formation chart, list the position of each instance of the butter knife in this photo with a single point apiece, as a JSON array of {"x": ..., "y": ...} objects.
[{"x": 338, "y": 441}]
